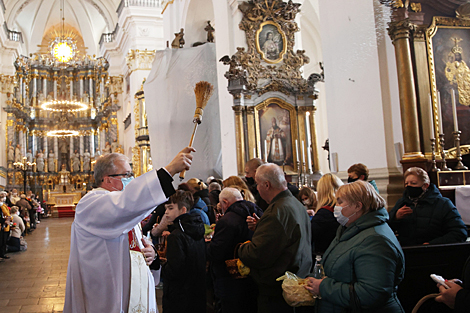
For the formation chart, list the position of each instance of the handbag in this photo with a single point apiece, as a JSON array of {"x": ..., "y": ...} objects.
[{"x": 235, "y": 266}]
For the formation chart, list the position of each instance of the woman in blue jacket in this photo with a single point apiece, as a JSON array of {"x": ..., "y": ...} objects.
[{"x": 364, "y": 263}]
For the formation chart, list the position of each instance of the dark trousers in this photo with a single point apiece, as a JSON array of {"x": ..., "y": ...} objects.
[
  {"x": 273, "y": 304},
  {"x": 3, "y": 242},
  {"x": 13, "y": 244},
  {"x": 32, "y": 218}
]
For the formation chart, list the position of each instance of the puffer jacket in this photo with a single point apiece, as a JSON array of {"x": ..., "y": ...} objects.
[
  {"x": 369, "y": 251},
  {"x": 434, "y": 219},
  {"x": 184, "y": 289}
]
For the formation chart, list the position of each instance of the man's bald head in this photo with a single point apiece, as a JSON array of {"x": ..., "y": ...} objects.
[
  {"x": 229, "y": 196},
  {"x": 251, "y": 166}
]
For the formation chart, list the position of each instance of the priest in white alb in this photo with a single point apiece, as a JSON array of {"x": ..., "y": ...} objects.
[{"x": 109, "y": 256}]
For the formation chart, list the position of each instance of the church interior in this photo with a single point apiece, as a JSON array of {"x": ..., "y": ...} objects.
[{"x": 313, "y": 86}]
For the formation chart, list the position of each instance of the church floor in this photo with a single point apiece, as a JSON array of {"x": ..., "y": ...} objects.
[{"x": 34, "y": 280}]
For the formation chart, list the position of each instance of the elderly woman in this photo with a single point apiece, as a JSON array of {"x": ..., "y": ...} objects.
[
  {"x": 364, "y": 263},
  {"x": 423, "y": 215}
]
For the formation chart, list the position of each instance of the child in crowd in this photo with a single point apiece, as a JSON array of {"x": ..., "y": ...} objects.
[{"x": 184, "y": 289}]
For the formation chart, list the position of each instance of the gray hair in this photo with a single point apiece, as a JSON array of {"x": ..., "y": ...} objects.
[
  {"x": 230, "y": 194},
  {"x": 214, "y": 186},
  {"x": 272, "y": 173},
  {"x": 105, "y": 165}
]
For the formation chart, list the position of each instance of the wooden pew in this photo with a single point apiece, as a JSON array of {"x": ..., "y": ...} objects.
[{"x": 422, "y": 261}]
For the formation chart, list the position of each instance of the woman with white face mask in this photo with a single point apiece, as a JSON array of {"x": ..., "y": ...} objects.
[{"x": 364, "y": 263}]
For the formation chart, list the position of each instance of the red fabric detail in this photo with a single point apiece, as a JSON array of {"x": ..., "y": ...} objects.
[
  {"x": 133, "y": 243},
  {"x": 329, "y": 208}
]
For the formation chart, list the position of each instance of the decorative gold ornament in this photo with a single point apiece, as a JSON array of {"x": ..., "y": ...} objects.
[
  {"x": 62, "y": 51},
  {"x": 64, "y": 106},
  {"x": 415, "y": 7},
  {"x": 62, "y": 133}
]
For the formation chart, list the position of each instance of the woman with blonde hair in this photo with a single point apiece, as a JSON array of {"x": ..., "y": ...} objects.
[
  {"x": 238, "y": 183},
  {"x": 324, "y": 224},
  {"x": 364, "y": 263}
]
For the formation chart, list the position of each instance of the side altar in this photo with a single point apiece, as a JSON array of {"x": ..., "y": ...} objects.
[{"x": 64, "y": 196}]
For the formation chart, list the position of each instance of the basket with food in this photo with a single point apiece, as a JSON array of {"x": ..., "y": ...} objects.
[{"x": 294, "y": 291}]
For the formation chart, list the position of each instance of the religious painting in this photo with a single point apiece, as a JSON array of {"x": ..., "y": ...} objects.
[
  {"x": 271, "y": 42},
  {"x": 448, "y": 42},
  {"x": 276, "y": 129}
]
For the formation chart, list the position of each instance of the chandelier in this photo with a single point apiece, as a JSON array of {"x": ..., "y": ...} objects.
[
  {"x": 64, "y": 106},
  {"x": 63, "y": 47}
]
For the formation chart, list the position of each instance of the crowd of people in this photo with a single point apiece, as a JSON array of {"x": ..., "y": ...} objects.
[
  {"x": 20, "y": 215},
  {"x": 127, "y": 229}
]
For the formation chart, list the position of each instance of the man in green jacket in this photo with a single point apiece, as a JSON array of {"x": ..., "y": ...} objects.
[{"x": 281, "y": 241}]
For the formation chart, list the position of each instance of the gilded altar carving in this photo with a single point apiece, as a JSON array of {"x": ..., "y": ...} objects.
[
  {"x": 115, "y": 84},
  {"x": 140, "y": 59},
  {"x": 452, "y": 153},
  {"x": 280, "y": 63}
]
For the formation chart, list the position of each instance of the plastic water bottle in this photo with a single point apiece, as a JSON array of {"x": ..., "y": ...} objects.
[{"x": 318, "y": 271}]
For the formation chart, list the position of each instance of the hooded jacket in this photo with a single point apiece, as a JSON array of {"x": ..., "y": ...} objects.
[
  {"x": 184, "y": 289},
  {"x": 434, "y": 219},
  {"x": 368, "y": 250}
]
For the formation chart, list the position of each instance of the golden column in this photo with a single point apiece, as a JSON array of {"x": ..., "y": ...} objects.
[
  {"x": 240, "y": 138},
  {"x": 313, "y": 136},
  {"x": 400, "y": 33}
]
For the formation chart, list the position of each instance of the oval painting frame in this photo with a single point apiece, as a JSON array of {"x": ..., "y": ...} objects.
[{"x": 264, "y": 29}]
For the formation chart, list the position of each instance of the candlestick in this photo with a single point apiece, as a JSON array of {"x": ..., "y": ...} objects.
[
  {"x": 430, "y": 117},
  {"x": 443, "y": 153},
  {"x": 459, "y": 165},
  {"x": 433, "y": 150},
  {"x": 439, "y": 113},
  {"x": 454, "y": 111}
]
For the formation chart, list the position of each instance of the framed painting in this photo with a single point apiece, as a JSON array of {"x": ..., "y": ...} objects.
[
  {"x": 276, "y": 132},
  {"x": 271, "y": 42},
  {"x": 448, "y": 43}
]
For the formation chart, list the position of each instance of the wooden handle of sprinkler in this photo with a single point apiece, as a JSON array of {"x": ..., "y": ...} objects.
[{"x": 183, "y": 173}]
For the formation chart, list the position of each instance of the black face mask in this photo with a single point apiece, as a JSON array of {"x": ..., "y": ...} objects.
[
  {"x": 414, "y": 192},
  {"x": 250, "y": 180},
  {"x": 352, "y": 180}
]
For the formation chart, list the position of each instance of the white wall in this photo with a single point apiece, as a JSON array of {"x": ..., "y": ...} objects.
[{"x": 362, "y": 114}]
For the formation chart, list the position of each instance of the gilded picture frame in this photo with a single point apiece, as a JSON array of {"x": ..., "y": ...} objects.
[
  {"x": 271, "y": 42},
  {"x": 276, "y": 133},
  {"x": 448, "y": 46}
]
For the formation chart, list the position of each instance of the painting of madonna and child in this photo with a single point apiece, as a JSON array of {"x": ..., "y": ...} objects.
[{"x": 276, "y": 136}]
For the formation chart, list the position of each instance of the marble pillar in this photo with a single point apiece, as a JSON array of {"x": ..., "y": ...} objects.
[
  {"x": 81, "y": 145},
  {"x": 44, "y": 87}
]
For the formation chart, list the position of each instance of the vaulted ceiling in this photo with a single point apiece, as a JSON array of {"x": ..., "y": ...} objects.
[{"x": 35, "y": 17}]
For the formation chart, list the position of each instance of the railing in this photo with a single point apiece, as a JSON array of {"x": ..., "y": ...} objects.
[
  {"x": 12, "y": 35},
  {"x": 109, "y": 37},
  {"x": 138, "y": 3}
]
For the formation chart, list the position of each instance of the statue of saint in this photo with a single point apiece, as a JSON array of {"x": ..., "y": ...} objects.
[
  {"x": 114, "y": 146},
  {"x": 64, "y": 175},
  {"x": 11, "y": 152},
  {"x": 76, "y": 161},
  {"x": 18, "y": 155},
  {"x": 50, "y": 162},
  {"x": 86, "y": 161},
  {"x": 107, "y": 148},
  {"x": 276, "y": 138},
  {"x": 210, "y": 32},
  {"x": 29, "y": 156},
  {"x": 40, "y": 161}
]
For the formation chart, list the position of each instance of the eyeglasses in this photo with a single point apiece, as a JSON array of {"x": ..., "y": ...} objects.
[{"x": 127, "y": 175}]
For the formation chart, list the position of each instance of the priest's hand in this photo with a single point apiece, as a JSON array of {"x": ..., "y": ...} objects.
[
  {"x": 182, "y": 161},
  {"x": 148, "y": 251}
]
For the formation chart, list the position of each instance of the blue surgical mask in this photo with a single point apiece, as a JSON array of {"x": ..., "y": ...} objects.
[
  {"x": 342, "y": 220},
  {"x": 125, "y": 181}
]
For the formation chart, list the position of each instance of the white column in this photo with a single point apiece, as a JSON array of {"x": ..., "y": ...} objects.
[
  {"x": 21, "y": 140},
  {"x": 92, "y": 145},
  {"x": 90, "y": 94},
  {"x": 35, "y": 89},
  {"x": 71, "y": 146},
  {"x": 81, "y": 145},
  {"x": 44, "y": 87},
  {"x": 21, "y": 90},
  {"x": 35, "y": 145},
  {"x": 55, "y": 89},
  {"x": 46, "y": 149},
  {"x": 71, "y": 88}
]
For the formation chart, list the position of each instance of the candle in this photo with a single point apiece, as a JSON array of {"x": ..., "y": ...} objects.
[
  {"x": 254, "y": 152},
  {"x": 265, "y": 151},
  {"x": 296, "y": 150},
  {"x": 439, "y": 113},
  {"x": 431, "y": 121},
  {"x": 309, "y": 160},
  {"x": 454, "y": 111}
]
